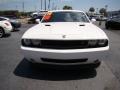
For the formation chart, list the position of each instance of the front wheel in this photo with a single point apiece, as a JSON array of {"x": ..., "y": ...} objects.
[
  {"x": 1, "y": 32},
  {"x": 107, "y": 27}
]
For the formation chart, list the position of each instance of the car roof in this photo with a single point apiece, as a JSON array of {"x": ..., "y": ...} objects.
[{"x": 66, "y": 11}]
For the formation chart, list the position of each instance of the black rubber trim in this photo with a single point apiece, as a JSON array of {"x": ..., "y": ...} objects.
[{"x": 87, "y": 65}]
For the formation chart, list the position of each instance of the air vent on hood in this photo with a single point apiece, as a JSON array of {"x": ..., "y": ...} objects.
[
  {"x": 82, "y": 25},
  {"x": 47, "y": 25}
]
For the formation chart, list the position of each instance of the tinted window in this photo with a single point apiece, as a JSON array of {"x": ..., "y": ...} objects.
[
  {"x": 67, "y": 17},
  {"x": 2, "y": 19},
  {"x": 11, "y": 17}
]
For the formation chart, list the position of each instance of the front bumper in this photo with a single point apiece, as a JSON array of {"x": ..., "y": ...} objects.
[{"x": 36, "y": 55}]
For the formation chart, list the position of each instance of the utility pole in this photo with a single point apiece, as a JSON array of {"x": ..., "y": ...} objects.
[
  {"x": 106, "y": 7},
  {"x": 41, "y": 4},
  {"x": 49, "y": 5},
  {"x": 56, "y": 7},
  {"x": 16, "y": 7},
  {"x": 35, "y": 8},
  {"x": 23, "y": 6},
  {"x": 45, "y": 4},
  {"x": 96, "y": 10},
  {"x": 53, "y": 6}
]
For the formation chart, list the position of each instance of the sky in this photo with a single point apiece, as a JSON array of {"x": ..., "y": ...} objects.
[{"x": 35, "y": 5}]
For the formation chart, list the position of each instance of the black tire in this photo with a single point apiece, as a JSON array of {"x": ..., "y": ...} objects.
[
  {"x": 13, "y": 29},
  {"x": 1, "y": 33},
  {"x": 106, "y": 26}
]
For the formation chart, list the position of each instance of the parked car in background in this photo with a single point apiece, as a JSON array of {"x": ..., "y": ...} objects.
[
  {"x": 97, "y": 17},
  {"x": 39, "y": 13},
  {"x": 92, "y": 17},
  {"x": 14, "y": 22},
  {"x": 104, "y": 18},
  {"x": 5, "y": 27},
  {"x": 33, "y": 20},
  {"x": 65, "y": 38},
  {"x": 101, "y": 18},
  {"x": 113, "y": 22}
]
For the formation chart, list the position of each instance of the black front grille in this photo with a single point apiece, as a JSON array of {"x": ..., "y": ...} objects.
[
  {"x": 61, "y": 44},
  {"x": 64, "y": 60}
]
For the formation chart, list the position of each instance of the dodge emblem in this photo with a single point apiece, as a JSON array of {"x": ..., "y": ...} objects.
[{"x": 64, "y": 36}]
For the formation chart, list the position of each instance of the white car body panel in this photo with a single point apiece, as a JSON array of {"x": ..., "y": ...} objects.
[{"x": 7, "y": 29}]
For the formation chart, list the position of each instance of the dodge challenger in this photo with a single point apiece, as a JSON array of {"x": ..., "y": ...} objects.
[{"x": 65, "y": 38}]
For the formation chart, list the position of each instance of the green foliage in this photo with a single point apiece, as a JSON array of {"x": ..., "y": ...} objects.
[
  {"x": 103, "y": 11},
  {"x": 9, "y": 12},
  {"x": 92, "y": 9},
  {"x": 67, "y": 7},
  {"x": 15, "y": 13}
]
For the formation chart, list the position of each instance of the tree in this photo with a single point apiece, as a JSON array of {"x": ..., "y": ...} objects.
[
  {"x": 103, "y": 11},
  {"x": 92, "y": 9},
  {"x": 67, "y": 7}
]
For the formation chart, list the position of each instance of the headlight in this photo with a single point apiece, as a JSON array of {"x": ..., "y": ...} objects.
[
  {"x": 103, "y": 42},
  {"x": 31, "y": 42},
  {"x": 26, "y": 42},
  {"x": 98, "y": 43},
  {"x": 35, "y": 42},
  {"x": 92, "y": 42}
]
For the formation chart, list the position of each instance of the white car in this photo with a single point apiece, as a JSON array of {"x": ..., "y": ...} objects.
[
  {"x": 5, "y": 27},
  {"x": 65, "y": 38},
  {"x": 39, "y": 13}
]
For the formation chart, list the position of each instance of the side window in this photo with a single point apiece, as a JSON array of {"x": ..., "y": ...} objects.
[{"x": 1, "y": 19}]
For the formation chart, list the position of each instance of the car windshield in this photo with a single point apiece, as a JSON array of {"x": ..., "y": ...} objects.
[{"x": 67, "y": 17}]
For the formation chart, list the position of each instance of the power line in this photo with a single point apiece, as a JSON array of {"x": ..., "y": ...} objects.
[{"x": 23, "y": 7}]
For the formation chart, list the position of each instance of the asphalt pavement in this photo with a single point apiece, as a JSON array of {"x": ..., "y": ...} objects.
[{"x": 17, "y": 74}]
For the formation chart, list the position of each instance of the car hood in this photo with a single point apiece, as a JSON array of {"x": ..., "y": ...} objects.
[{"x": 65, "y": 30}]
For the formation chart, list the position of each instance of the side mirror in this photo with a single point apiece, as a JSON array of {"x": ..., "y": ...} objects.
[
  {"x": 37, "y": 21},
  {"x": 93, "y": 20}
]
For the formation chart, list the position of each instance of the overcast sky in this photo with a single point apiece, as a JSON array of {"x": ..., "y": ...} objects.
[{"x": 84, "y": 5}]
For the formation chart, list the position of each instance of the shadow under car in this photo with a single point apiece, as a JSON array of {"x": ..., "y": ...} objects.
[{"x": 24, "y": 69}]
